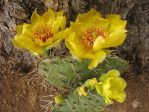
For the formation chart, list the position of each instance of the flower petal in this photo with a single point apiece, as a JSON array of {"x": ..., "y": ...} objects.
[
  {"x": 79, "y": 28},
  {"x": 98, "y": 58},
  {"x": 112, "y": 73},
  {"x": 19, "y": 29},
  {"x": 115, "y": 39},
  {"x": 120, "y": 97},
  {"x": 117, "y": 87},
  {"x": 49, "y": 16},
  {"x": 116, "y": 23},
  {"x": 36, "y": 49},
  {"x": 81, "y": 91},
  {"x": 26, "y": 30},
  {"x": 56, "y": 37},
  {"x": 101, "y": 22},
  {"x": 60, "y": 13},
  {"x": 53, "y": 44},
  {"x": 75, "y": 45},
  {"x": 59, "y": 24},
  {"x": 87, "y": 17},
  {"x": 90, "y": 83},
  {"x": 99, "y": 43},
  {"x": 21, "y": 41},
  {"x": 38, "y": 42},
  {"x": 35, "y": 17}
]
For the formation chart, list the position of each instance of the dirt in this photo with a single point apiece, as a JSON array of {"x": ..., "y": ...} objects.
[
  {"x": 29, "y": 92},
  {"x": 20, "y": 92}
]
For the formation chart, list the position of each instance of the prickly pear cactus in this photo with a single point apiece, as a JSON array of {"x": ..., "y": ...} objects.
[
  {"x": 75, "y": 103},
  {"x": 113, "y": 62},
  {"x": 66, "y": 73}
]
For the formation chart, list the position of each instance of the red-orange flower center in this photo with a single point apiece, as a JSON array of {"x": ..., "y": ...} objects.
[
  {"x": 91, "y": 34},
  {"x": 43, "y": 35}
]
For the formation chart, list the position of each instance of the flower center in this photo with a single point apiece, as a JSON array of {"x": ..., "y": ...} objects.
[
  {"x": 43, "y": 35},
  {"x": 91, "y": 34}
]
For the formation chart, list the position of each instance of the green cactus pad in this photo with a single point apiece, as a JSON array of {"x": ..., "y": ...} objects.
[
  {"x": 67, "y": 73},
  {"x": 75, "y": 103}
]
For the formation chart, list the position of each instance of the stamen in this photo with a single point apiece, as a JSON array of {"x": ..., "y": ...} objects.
[
  {"x": 91, "y": 34},
  {"x": 44, "y": 35}
]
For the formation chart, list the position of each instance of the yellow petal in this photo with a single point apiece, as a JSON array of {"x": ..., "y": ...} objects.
[
  {"x": 99, "y": 43},
  {"x": 71, "y": 45},
  {"x": 115, "y": 39},
  {"x": 35, "y": 49},
  {"x": 90, "y": 83},
  {"x": 72, "y": 52},
  {"x": 56, "y": 37},
  {"x": 58, "y": 99},
  {"x": 81, "y": 91},
  {"x": 116, "y": 23},
  {"x": 87, "y": 17},
  {"x": 112, "y": 73},
  {"x": 120, "y": 97},
  {"x": 108, "y": 101},
  {"x": 16, "y": 43},
  {"x": 117, "y": 88},
  {"x": 35, "y": 17},
  {"x": 60, "y": 13},
  {"x": 113, "y": 16},
  {"x": 99, "y": 87},
  {"x": 74, "y": 43},
  {"x": 49, "y": 16},
  {"x": 98, "y": 58},
  {"x": 38, "y": 42},
  {"x": 59, "y": 24},
  {"x": 54, "y": 44},
  {"x": 101, "y": 22},
  {"x": 19, "y": 29},
  {"x": 79, "y": 28},
  {"x": 22, "y": 40},
  {"x": 26, "y": 30}
]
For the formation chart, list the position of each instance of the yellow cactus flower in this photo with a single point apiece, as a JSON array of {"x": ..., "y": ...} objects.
[
  {"x": 58, "y": 99},
  {"x": 90, "y": 84},
  {"x": 91, "y": 35},
  {"x": 111, "y": 87},
  {"x": 81, "y": 91},
  {"x": 44, "y": 32}
]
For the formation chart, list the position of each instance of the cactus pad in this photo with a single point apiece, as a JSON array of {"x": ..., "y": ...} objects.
[
  {"x": 67, "y": 73},
  {"x": 75, "y": 103}
]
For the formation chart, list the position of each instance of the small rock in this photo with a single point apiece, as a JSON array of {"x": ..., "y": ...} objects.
[{"x": 135, "y": 104}]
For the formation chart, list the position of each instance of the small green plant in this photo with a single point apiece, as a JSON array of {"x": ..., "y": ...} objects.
[{"x": 87, "y": 80}]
